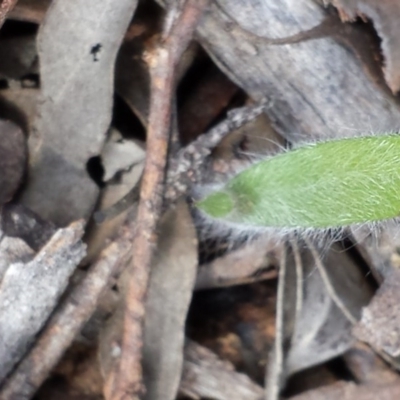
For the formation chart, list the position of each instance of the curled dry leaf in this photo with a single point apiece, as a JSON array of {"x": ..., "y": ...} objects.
[
  {"x": 307, "y": 81},
  {"x": 77, "y": 56},
  {"x": 318, "y": 298},
  {"x": 29, "y": 292},
  {"x": 322, "y": 330},
  {"x": 385, "y": 16},
  {"x": 12, "y": 159}
]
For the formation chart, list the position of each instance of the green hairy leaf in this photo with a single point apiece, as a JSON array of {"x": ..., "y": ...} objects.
[{"x": 322, "y": 185}]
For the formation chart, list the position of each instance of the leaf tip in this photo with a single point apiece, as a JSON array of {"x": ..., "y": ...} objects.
[{"x": 216, "y": 205}]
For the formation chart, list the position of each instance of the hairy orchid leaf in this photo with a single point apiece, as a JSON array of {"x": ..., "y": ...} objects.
[{"x": 322, "y": 185}]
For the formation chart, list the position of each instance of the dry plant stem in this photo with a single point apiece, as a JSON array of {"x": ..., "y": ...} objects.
[
  {"x": 5, "y": 7},
  {"x": 185, "y": 168},
  {"x": 120, "y": 206},
  {"x": 328, "y": 284},
  {"x": 273, "y": 377},
  {"x": 125, "y": 381},
  {"x": 68, "y": 320},
  {"x": 299, "y": 276}
]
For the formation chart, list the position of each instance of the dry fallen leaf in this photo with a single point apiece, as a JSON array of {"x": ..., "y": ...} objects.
[
  {"x": 322, "y": 330},
  {"x": 319, "y": 299},
  {"x": 318, "y": 82},
  {"x": 77, "y": 56},
  {"x": 171, "y": 285}
]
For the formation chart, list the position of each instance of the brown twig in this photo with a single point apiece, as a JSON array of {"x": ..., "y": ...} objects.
[
  {"x": 68, "y": 320},
  {"x": 185, "y": 168},
  {"x": 5, "y": 7},
  {"x": 186, "y": 165},
  {"x": 125, "y": 381},
  {"x": 274, "y": 372}
]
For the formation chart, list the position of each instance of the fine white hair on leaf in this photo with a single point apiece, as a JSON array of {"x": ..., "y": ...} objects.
[{"x": 318, "y": 190}]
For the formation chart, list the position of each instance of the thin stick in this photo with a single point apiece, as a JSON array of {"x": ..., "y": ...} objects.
[
  {"x": 186, "y": 168},
  {"x": 6, "y": 7},
  {"x": 299, "y": 276},
  {"x": 119, "y": 207},
  {"x": 125, "y": 380},
  {"x": 274, "y": 372},
  {"x": 68, "y": 320},
  {"x": 328, "y": 284}
]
